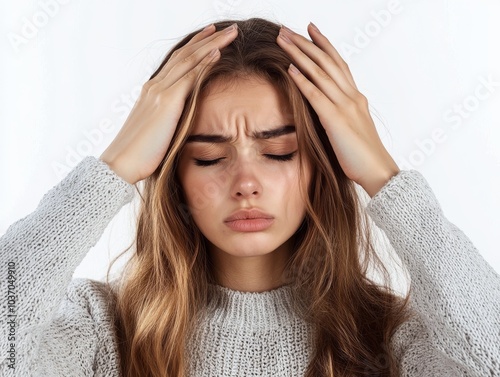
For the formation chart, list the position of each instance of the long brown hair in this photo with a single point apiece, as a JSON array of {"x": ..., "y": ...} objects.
[{"x": 164, "y": 285}]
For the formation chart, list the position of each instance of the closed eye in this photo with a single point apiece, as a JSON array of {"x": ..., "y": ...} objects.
[{"x": 281, "y": 158}]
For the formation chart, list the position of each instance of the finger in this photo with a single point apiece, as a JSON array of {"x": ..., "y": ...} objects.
[
  {"x": 187, "y": 81},
  {"x": 329, "y": 78},
  {"x": 189, "y": 58},
  {"x": 324, "y": 62},
  {"x": 207, "y": 31},
  {"x": 318, "y": 100},
  {"x": 322, "y": 42}
]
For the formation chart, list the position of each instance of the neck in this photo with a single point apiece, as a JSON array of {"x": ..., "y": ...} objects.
[{"x": 256, "y": 273}]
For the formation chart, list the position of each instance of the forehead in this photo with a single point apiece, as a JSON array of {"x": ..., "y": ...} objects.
[{"x": 249, "y": 104}]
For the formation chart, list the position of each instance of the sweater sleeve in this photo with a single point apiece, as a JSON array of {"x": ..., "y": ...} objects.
[
  {"x": 39, "y": 254},
  {"x": 455, "y": 292}
]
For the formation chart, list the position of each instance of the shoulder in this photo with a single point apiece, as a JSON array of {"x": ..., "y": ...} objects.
[{"x": 80, "y": 339}]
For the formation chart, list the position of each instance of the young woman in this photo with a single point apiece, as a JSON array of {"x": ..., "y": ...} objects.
[{"x": 252, "y": 244}]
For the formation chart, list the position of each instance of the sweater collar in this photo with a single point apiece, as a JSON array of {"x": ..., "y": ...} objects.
[{"x": 262, "y": 310}]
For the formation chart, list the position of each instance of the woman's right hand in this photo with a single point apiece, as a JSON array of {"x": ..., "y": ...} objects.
[{"x": 143, "y": 140}]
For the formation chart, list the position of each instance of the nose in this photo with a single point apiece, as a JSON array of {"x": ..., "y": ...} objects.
[
  {"x": 246, "y": 184},
  {"x": 246, "y": 189}
]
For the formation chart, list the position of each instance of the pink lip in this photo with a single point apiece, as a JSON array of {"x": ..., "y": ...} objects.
[
  {"x": 245, "y": 214},
  {"x": 249, "y": 225},
  {"x": 249, "y": 221}
]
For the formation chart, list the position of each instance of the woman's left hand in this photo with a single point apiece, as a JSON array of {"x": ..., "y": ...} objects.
[{"x": 328, "y": 85}]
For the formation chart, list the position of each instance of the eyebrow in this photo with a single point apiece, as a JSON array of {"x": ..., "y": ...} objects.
[{"x": 267, "y": 134}]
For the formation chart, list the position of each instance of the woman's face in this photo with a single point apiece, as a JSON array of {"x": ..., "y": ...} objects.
[{"x": 242, "y": 175}]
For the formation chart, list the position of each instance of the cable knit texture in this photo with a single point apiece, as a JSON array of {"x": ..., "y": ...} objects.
[{"x": 64, "y": 327}]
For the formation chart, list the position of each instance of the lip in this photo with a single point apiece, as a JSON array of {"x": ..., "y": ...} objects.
[
  {"x": 246, "y": 214},
  {"x": 249, "y": 221},
  {"x": 249, "y": 225}
]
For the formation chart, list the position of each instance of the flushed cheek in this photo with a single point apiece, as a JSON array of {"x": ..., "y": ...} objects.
[
  {"x": 291, "y": 176},
  {"x": 200, "y": 195},
  {"x": 293, "y": 199},
  {"x": 294, "y": 202}
]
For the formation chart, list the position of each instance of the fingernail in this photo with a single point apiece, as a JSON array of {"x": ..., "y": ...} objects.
[
  {"x": 284, "y": 36},
  {"x": 208, "y": 27},
  {"x": 230, "y": 28},
  {"x": 315, "y": 27},
  {"x": 293, "y": 69},
  {"x": 286, "y": 30}
]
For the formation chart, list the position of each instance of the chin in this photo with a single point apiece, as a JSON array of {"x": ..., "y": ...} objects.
[
  {"x": 244, "y": 249},
  {"x": 253, "y": 252}
]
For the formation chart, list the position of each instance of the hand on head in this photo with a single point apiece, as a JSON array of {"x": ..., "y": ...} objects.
[
  {"x": 143, "y": 140},
  {"x": 326, "y": 81}
]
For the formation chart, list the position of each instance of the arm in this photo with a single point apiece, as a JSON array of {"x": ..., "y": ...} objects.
[
  {"x": 43, "y": 250},
  {"x": 455, "y": 292},
  {"x": 48, "y": 245}
]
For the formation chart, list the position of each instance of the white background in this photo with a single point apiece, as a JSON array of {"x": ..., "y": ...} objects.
[{"x": 69, "y": 67}]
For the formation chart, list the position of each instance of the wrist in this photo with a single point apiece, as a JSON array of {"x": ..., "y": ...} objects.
[
  {"x": 118, "y": 170},
  {"x": 375, "y": 184}
]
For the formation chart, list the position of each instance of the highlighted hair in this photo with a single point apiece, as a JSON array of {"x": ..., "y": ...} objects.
[{"x": 164, "y": 285}]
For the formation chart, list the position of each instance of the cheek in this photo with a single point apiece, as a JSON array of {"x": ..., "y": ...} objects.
[
  {"x": 201, "y": 190},
  {"x": 293, "y": 180}
]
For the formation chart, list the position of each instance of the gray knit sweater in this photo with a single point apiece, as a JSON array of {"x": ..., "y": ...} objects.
[{"x": 55, "y": 326}]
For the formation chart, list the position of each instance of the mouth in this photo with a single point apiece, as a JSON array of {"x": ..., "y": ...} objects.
[
  {"x": 252, "y": 220},
  {"x": 250, "y": 225},
  {"x": 248, "y": 215}
]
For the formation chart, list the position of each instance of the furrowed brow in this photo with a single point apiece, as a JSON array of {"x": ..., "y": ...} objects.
[
  {"x": 218, "y": 139},
  {"x": 269, "y": 134}
]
